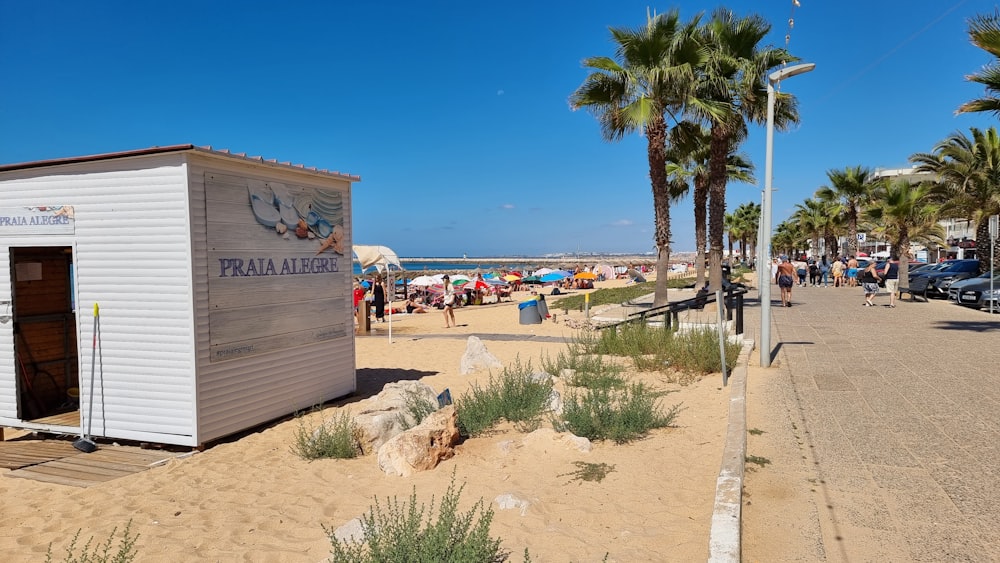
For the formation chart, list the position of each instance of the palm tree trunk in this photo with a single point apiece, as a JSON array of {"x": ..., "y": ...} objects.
[
  {"x": 700, "y": 229},
  {"x": 656, "y": 133},
  {"x": 983, "y": 244},
  {"x": 716, "y": 204}
]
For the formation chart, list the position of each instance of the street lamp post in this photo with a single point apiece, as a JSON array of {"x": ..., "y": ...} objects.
[{"x": 765, "y": 215}]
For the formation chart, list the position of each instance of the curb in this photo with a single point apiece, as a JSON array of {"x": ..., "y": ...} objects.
[{"x": 724, "y": 539}]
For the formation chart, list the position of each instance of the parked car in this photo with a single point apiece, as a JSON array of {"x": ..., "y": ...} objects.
[
  {"x": 894, "y": 269},
  {"x": 975, "y": 292},
  {"x": 938, "y": 283},
  {"x": 917, "y": 282}
]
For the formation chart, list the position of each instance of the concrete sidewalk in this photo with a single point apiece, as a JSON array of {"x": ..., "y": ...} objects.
[{"x": 881, "y": 430}]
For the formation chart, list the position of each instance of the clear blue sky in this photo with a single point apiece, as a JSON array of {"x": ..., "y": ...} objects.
[{"x": 455, "y": 114}]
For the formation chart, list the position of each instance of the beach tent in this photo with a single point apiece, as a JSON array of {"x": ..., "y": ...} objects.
[{"x": 382, "y": 257}]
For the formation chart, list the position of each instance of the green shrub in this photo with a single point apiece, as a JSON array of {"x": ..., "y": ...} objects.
[
  {"x": 632, "y": 339},
  {"x": 620, "y": 415},
  {"x": 398, "y": 532},
  {"x": 338, "y": 439},
  {"x": 654, "y": 348},
  {"x": 101, "y": 553},
  {"x": 418, "y": 406},
  {"x": 515, "y": 396},
  {"x": 589, "y": 370},
  {"x": 698, "y": 351}
]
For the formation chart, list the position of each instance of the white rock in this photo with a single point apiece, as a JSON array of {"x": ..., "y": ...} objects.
[{"x": 477, "y": 357}]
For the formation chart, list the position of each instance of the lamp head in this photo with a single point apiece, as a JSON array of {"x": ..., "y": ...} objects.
[{"x": 790, "y": 71}]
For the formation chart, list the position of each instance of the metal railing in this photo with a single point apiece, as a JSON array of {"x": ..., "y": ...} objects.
[{"x": 733, "y": 302}]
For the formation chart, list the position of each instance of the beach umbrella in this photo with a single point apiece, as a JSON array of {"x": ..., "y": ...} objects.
[
  {"x": 542, "y": 271},
  {"x": 585, "y": 276},
  {"x": 531, "y": 279},
  {"x": 512, "y": 277},
  {"x": 552, "y": 277},
  {"x": 424, "y": 281},
  {"x": 459, "y": 279}
]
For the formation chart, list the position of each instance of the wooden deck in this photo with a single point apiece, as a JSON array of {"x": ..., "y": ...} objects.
[
  {"x": 71, "y": 418},
  {"x": 57, "y": 461}
]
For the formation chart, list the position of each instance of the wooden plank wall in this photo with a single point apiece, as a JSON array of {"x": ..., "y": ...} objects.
[{"x": 45, "y": 337}]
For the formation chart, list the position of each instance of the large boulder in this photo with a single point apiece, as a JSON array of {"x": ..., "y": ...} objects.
[
  {"x": 422, "y": 447},
  {"x": 477, "y": 357},
  {"x": 389, "y": 413}
]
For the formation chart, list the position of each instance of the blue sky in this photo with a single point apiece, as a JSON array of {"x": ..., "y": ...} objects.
[{"x": 455, "y": 114}]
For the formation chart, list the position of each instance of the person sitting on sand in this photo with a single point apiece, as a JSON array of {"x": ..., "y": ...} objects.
[{"x": 413, "y": 306}]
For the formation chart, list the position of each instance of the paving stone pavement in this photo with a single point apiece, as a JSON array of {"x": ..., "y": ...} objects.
[{"x": 885, "y": 427}]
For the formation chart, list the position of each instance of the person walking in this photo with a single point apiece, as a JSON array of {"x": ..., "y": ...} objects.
[
  {"x": 852, "y": 272},
  {"x": 378, "y": 299},
  {"x": 785, "y": 278},
  {"x": 869, "y": 282},
  {"x": 891, "y": 276},
  {"x": 824, "y": 272},
  {"x": 449, "y": 303},
  {"x": 837, "y": 269}
]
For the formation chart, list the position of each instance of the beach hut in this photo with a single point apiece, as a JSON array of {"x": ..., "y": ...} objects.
[{"x": 222, "y": 284}]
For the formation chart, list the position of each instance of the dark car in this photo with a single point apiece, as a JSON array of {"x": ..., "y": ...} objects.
[
  {"x": 926, "y": 280},
  {"x": 938, "y": 284},
  {"x": 912, "y": 267},
  {"x": 975, "y": 292}
]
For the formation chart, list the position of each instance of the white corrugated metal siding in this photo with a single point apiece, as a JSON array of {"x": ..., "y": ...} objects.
[
  {"x": 237, "y": 394},
  {"x": 132, "y": 256}
]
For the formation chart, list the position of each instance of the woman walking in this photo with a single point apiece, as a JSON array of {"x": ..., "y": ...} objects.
[
  {"x": 378, "y": 299},
  {"x": 449, "y": 303},
  {"x": 869, "y": 282}
]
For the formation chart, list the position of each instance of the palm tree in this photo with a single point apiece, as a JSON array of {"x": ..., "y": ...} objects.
[
  {"x": 811, "y": 218},
  {"x": 634, "y": 92},
  {"x": 688, "y": 152},
  {"x": 731, "y": 91},
  {"x": 788, "y": 238},
  {"x": 969, "y": 169},
  {"x": 850, "y": 188},
  {"x": 984, "y": 32},
  {"x": 747, "y": 219},
  {"x": 901, "y": 207}
]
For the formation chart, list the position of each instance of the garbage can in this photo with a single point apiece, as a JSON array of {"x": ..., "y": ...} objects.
[
  {"x": 528, "y": 311},
  {"x": 543, "y": 309}
]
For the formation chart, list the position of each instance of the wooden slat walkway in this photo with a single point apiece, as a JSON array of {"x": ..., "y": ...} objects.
[
  {"x": 53, "y": 463},
  {"x": 15, "y": 455}
]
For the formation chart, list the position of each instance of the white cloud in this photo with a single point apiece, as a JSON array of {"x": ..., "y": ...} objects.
[
  {"x": 507, "y": 206},
  {"x": 622, "y": 223}
]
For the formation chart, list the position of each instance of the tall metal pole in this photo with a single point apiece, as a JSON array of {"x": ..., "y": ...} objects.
[
  {"x": 765, "y": 288},
  {"x": 765, "y": 239}
]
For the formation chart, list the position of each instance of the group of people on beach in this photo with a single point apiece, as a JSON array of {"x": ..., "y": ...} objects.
[{"x": 846, "y": 272}]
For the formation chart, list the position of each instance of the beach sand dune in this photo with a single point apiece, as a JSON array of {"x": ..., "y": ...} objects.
[{"x": 250, "y": 498}]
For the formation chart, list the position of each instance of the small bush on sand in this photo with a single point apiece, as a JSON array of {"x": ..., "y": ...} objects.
[
  {"x": 400, "y": 532},
  {"x": 588, "y": 370},
  {"x": 419, "y": 407},
  {"x": 516, "y": 396},
  {"x": 655, "y": 348},
  {"x": 101, "y": 553},
  {"x": 337, "y": 438},
  {"x": 619, "y": 415}
]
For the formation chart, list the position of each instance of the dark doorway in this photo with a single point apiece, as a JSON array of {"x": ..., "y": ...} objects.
[{"x": 45, "y": 339}]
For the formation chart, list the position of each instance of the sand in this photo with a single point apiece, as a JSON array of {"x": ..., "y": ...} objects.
[{"x": 251, "y": 499}]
